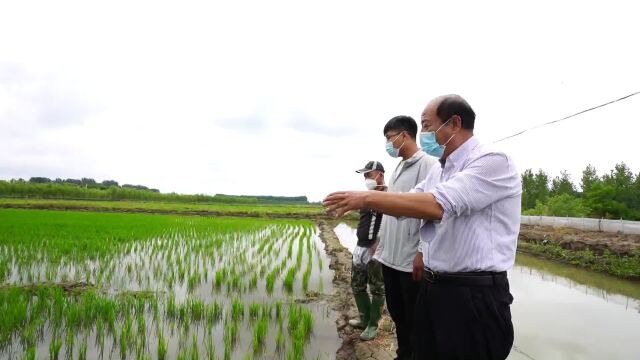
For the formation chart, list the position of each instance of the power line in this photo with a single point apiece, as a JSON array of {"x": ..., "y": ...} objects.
[{"x": 567, "y": 117}]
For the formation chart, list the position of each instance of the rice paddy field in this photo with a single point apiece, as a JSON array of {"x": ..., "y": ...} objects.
[{"x": 86, "y": 285}]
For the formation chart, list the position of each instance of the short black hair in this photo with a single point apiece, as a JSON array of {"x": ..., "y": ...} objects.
[
  {"x": 402, "y": 123},
  {"x": 453, "y": 104}
]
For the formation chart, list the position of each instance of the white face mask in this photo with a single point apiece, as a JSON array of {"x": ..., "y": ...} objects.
[{"x": 372, "y": 184}]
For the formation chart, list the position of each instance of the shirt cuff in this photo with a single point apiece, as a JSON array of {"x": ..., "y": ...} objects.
[{"x": 442, "y": 200}]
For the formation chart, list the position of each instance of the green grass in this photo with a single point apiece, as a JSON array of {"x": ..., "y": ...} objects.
[{"x": 620, "y": 266}]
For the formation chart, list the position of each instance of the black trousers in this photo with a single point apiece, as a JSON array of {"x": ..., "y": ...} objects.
[
  {"x": 463, "y": 322},
  {"x": 401, "y": 293}
]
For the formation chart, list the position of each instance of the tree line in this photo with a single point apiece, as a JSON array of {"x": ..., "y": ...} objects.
[
  {"x": 89, "y": 189},
  {"x": 614, "y": 195}
]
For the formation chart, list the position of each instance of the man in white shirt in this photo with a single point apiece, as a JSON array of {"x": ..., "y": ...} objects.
[{"x": 470, "y": 207}]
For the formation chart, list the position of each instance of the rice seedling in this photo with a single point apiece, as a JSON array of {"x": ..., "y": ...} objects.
[
  {"x": 254, "y": 311},
  {"x": 289, "y": 279},
  {"x": 307, "y": 272},
  {"x": 307, "y": 322},
  {"x": 230, "y": 335},
  {"x": 196, "y": 309},
  {"x": 172, "y": 309},
  {"x": 290, "y": 249},
  {"x": 269, "y": 282},
  {"x": 194, "y": 351},
  {"x": 280, "y": 340},
  {"x": 260, "y": 334},
  {"x": 82, "y": 354},
  {"x": 227, "y": 351},
  {"x": 300, "y": 253},
  {"x": 211, "y": 351},
  {"x": 213, "y": 313},
  {"x": 162, "y": 347},
  {"x": 30, "y": 353},
  {"x": 253, "y": 283},
  {"x": 266, "y": 310},
  {"x": 123, "y": 344},
  {"x": 142, "y": 328},
  {"x": 70, "y": 342},
  {"x": 193, "y": 282},
  {"x": 54, "y": 348},
  {"x": 237, "y": 310},
  {"x": 278, "y": 307}
]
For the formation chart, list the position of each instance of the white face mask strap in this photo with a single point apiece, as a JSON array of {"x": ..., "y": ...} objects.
[
  {"x": 396, "y": 138},
  {"x": 380, "y": 173},
  {"x": 445, "y": 123},
  {"x": 445, "y": 144}
]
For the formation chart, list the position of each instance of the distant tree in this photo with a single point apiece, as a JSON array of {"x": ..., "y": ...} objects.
[
  {"x": 589, "y": 177},
  {"x": 636, "y": 194},
  {"x": 88, "y": 182},
  {"x": 621, "y": 176},
  {"x": 562, "y": 185},
  {"x": 40, "y": 180},
  {"x": 109, "y": 183},
  {"x": 541, "y": 186},
  {"x": 566, "y": 205},
  {"x": 560, "y": 205},
  {"x": 601, "y": 199},
  {"x": 73, "y": 181},
  {"x": 622, "y": 180},
  {"x": 135, "y": 187},
  {"x": 529, "y": 192}
]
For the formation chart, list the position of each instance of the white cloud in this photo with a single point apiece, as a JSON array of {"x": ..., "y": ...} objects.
[{"x": 288, "y": 98}]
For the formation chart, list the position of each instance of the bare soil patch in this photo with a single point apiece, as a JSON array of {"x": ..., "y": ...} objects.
[{"x": 573, "y": 239}]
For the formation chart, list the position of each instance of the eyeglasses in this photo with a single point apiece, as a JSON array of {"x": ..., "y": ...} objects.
[{"x": 396, "y": 135}]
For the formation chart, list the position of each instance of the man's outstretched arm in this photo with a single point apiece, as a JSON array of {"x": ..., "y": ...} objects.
[{"x": 415, "y": 205}]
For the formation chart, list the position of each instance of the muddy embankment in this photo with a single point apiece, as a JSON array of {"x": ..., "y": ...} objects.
[
  {"x": 577, "y": 240},
  {"x": 58, "y": 207},
  {"x": 381, "y": 348},
  {"x": 610, "y": 253}
]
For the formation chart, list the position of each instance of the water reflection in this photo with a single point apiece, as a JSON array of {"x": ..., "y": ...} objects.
[
  {"x": 564, "y": 312},
  {"x": 346, "y": 233}
]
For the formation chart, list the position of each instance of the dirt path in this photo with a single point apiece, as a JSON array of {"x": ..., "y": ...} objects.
[{"x": 383, "y": 347}]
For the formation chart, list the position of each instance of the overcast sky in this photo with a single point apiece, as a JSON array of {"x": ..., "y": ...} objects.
[{"x": 289, "y": 98}]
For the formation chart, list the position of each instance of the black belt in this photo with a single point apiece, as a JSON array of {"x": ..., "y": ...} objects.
[{"x": 478, "y": 278}]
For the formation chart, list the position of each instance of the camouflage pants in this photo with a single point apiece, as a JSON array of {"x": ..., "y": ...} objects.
[{"x": 370, "y": 273}]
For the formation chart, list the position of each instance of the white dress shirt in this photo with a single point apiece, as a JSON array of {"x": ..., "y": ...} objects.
[{"x": 480, "y": 191}]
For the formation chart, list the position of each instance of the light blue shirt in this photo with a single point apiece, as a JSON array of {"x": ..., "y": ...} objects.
[{"x": 480, "y": 191}]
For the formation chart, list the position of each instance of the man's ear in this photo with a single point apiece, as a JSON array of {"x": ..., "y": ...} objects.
[{"x": 456, "y": 121}]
